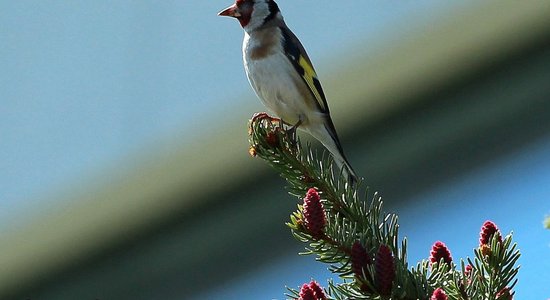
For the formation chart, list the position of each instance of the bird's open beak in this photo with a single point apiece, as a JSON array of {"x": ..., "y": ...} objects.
[{"x": 231, "y": 11}]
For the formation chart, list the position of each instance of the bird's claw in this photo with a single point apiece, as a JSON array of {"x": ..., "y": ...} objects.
[{"x": 291, "y": 133}]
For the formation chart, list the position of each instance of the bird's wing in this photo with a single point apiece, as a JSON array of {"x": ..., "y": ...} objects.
[{"x": 296, "y": 53}]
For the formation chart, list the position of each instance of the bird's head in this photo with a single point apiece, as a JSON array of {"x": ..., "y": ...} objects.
[{"x": 252, "y": 14}]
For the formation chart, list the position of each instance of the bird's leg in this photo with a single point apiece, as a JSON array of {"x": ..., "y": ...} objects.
[{"x": 291, "y": 132}]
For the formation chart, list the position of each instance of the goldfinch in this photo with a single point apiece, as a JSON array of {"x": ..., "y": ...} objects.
[{"x": 280, "y": 72}]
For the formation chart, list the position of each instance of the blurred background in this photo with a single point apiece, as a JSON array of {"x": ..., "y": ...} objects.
[{"x": 124, "y": 160}]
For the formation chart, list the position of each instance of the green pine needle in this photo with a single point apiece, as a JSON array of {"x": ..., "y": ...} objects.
[{"x": 351, "y": 219}]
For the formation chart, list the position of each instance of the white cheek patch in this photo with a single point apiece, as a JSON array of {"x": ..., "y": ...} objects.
[{"x": 260, "y": 12}]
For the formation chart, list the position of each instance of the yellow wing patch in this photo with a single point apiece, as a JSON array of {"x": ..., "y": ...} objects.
[{"x": 310, "y": 78}]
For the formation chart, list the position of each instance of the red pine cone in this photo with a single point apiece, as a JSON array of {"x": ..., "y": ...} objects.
[
  {"x": 306, "y": 293},
  {"x": 468, "y": 270},
  {"x": 317, "y": 290},
  {"x": 360, "y": 259},
  {"x": 312, "y": 291},
  {"x": 314, "y": 213},
  {"x": 487, "y": 230},
  {"x": 440, "y": 251},
  {"x": 384, "y": 270},
  {"x": 439, "y": 294}
]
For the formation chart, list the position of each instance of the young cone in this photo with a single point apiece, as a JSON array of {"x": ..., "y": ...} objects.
[
  {"x": 439, "y": 294},
  {"x": 314, "y": 214},
  {"x": 487, "y": 231},
  {"x": 385, "y": 270},
  {"x": 440, "y": 251}
]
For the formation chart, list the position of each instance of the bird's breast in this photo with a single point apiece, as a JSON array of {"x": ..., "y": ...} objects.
[
  {"x": 262, "y": 44},
  {"x": 276, "y": 83},
  {"x": 274, "y": 78}
]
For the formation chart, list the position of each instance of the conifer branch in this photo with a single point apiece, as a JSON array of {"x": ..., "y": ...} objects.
[{"x": 360, "y": 243}]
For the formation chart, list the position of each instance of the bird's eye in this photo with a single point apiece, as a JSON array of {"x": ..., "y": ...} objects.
[{"x": 241, "y": 2}]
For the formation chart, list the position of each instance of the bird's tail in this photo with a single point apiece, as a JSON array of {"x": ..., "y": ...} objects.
[
  {"x": 327, "y": 136},
  {"x": 343, "y": 163}
]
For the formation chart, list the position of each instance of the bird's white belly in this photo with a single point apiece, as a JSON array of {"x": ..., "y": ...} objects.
[{"x": 274, "y": 81}]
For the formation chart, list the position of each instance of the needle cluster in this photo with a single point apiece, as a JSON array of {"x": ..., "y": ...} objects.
[{"x": 360, "y": 244}]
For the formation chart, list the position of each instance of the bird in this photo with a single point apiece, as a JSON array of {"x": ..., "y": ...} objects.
[{"x": 282, "y": 75}]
